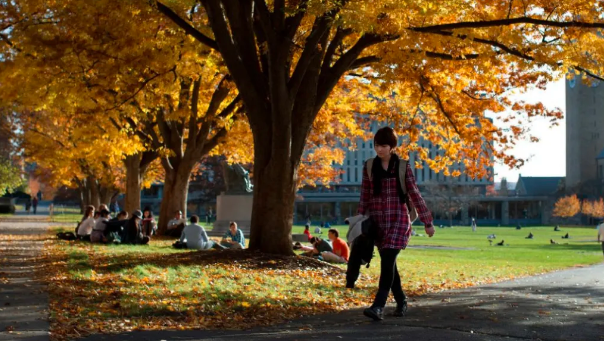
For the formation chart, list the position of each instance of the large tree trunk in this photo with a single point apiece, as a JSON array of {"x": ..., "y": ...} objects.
[
  {"x": 95, "y": 197},
  {"x": 85, "y": 188},
  {"x": 176, "y": 188},
  {"x": 133, "y": 183},
  {"x": 274, "y": 193},
  {"x": 106, "y": 194}
]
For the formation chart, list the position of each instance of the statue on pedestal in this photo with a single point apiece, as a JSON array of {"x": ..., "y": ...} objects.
[{"x": 237, "y": 179}]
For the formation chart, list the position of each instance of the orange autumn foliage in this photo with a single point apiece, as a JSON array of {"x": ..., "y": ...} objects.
[{"x": 567, "y": 206}]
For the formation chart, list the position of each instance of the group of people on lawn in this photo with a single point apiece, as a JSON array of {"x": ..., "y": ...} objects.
[
  {"x": 194, "y": 236},
  {"x": 97, "y": 226}
]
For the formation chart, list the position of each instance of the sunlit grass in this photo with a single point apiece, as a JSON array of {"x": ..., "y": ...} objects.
[{"x": 157, "y": 287}]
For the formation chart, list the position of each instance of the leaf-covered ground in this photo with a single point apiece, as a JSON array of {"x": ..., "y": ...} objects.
[{"x": 105, "y": 289}]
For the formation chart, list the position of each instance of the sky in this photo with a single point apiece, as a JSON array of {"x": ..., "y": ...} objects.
[{"x": 548, "y": 156}]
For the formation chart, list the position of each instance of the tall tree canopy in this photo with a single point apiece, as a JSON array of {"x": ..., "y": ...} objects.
[{"x": 437, "y": 68}]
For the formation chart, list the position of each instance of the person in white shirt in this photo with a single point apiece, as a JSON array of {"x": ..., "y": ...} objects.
[
  {"x": 601, "y": 234},
  {"x": 176, "y": 225},
  {"x": 87, "y": 224},
  {"x": 194, "y": 237},
  {"x": 98, "y": 231}
]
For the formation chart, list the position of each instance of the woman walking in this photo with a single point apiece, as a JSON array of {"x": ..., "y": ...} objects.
[{"x": 384, "y": 200}]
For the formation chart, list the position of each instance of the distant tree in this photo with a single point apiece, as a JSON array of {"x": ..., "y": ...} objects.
[
  {"x": 448, "y": 198},
  {"x": 10, "y": 177},
  {"x": 594, "y": 209},
  {"x": 567, "y": 207}
]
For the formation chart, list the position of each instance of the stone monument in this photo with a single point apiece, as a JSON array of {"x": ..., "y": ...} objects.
[{"x": 236, "y": 203}]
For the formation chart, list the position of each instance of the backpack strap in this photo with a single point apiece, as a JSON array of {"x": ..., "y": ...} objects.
[
  {"x": 402, "y": 173},
  {"x": 369, "y": 165}
]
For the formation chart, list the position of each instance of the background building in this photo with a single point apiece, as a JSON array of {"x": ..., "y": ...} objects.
[
  {"x": 584, "y": 136},
  {"x": 340, "y": 200}
]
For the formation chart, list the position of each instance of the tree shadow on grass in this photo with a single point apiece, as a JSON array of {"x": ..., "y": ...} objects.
[{"x": 244, "y": 258}]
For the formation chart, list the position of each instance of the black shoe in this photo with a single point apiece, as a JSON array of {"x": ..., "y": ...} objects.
[
  {"x": 401, "y": 309},
  {"x": 349, "y": 286},
  {"x": 377, "y": 314}
]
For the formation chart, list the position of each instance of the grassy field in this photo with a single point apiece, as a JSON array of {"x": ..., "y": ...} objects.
[{"x": 115, "y": 288}]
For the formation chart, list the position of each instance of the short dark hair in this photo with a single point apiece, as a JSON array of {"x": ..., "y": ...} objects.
[
  {"x": 306, "y": 227},
  {"x": 335, "y": 232},
  {"x": 194, "y": 219},
  {"x": 314, "y": 240},
  {"x": 122, "y": 213},
  {"x": 385, "y": 136}
]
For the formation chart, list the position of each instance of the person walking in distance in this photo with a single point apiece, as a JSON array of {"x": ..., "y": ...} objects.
[{"x": 384, "y": 199}]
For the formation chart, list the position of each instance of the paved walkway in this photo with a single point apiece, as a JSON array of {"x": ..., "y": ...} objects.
[
  {"x": 563, "y": 305},
  {"x": 23, "y": 300}
]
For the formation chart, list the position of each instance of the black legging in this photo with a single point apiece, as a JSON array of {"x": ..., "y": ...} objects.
[{"x": 389, "y": 279}]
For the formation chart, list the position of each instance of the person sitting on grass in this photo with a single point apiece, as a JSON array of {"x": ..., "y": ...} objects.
[
  {"x": 566, "y": 236},
  {"x": 340, "y": 249},
  {"x": 233, "y": 238},
  {"x": 318, "y": 230},
  {"x": 176, "y": 225},
  {"x": 132, "y": 233},
  {"x": 319, "y": 246},
  {"x": 87, "y": 224},
  {"x": 194, "y": 237},
  {"x": 530, "y": 236},
  {"x": 149, "y": 225},
  {"x": 307, "y": 232},
  {"x": 98, "y": 232},
  {"x": 557, "y": 228}
]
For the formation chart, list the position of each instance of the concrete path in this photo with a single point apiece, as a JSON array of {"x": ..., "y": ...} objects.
[
  {"x": 563, "y": 305},
  {"x": 23, "y": 300}
]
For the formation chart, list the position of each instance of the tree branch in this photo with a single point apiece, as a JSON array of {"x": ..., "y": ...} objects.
[
  {"x": 506, "y": 22},
  {"x": 188, "y": 28}
]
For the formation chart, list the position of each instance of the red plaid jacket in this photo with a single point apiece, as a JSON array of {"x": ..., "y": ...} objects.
[{"x": 392, "y": 216}]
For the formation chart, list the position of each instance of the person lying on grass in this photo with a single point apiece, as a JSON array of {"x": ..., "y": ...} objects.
[
  {"x": 318, "y": 246},
  {"x": 194, "y": 237}
]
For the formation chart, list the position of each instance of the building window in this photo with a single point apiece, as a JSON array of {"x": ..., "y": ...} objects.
[
  {"x": 363, "y": 144},
  {"x": 348, "y": 175},
  {"x": 356, "y": 175},
  {"x": 370, "y": 144}
]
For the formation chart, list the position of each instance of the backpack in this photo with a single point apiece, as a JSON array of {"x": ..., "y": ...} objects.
[{"x": 402, "y": 173}]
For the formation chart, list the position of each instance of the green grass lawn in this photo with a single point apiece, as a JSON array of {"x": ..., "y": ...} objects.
[{"x": 157, "y": 287}]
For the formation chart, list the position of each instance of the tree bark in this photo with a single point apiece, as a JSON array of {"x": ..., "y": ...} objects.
[
  {"x": 133, "y": 183},
  {"x": 274, "y": 193},
  {"x": 106, "y": 194},
  {"x": 95, "y": 197},
  {"x": 176, "y": 188}
]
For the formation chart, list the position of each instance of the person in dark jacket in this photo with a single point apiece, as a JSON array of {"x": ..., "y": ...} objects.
[
  {"x": 133, "y": 231},
  {"x": 117, "y": 225}
]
